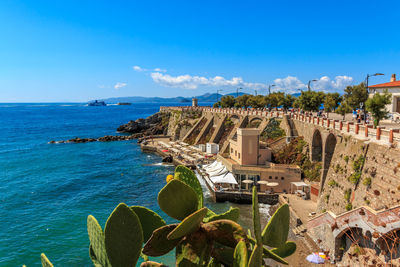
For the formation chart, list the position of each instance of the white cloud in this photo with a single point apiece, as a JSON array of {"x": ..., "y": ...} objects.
[
  {"x": 160, "y": 70},
  {"x": 137, "y": 68},
  {"x": 192, "y": 82},
  {"x": 119, "y": 85},
  {"x": 292, "y": 84}
]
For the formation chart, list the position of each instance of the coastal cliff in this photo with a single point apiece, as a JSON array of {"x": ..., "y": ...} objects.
[{"x": 153, "y": 125}]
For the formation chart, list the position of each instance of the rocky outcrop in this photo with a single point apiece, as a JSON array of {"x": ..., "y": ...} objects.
[
  {"x": 153, "y": 125},
  {"x": 107, "y": 138}
]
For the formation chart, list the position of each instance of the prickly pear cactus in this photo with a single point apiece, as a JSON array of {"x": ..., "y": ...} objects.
[
  {"x": 177, "y": 199},
  {"x": 45, "y": 261},
  {"x": 240, "y": 255},
  {"x": 159, "y": 244},
  {"x": 149, "y": 220},
  {"x": 187, "y": 176},
  {"x": 97, "y": 245},
  {"x": 189, "y": 225},
  {"x": 123, "y": 237},
  {"x": 276, "y": 231},
  {"x": 232, "y": 214},
  {"x": 256, "y": 256}
]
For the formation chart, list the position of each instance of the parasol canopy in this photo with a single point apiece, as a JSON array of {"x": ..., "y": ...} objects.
[{"x": 248, "y": 181}]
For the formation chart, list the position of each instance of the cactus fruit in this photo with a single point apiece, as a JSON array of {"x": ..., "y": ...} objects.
[
  {"x": 169, "y": 178},
  {"x": 158, "y": 244},
  {"x": 276, "y": 231},
  {"x": 286, "y": 250},
  {"x": 45, "y": 261},
  {"x": 189, "y": 225},
  {"x": 232, "y": 214},
  {"x": 240, "y": 255},
  {"x": 187, "y": 176},
  {"x": 149, "y": 220},
  {"x": 96, "y": 237},
  {"x": 123, "y": 237},
  {"x": 177, "y": 199}
]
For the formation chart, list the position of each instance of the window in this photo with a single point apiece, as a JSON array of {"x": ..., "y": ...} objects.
[
  {"x": 282, "y": 178},
  {"x": 231, "y": 150},
  {"x": 239, "y": 155},
  {"x": 276, "y": 177},
  {"x": 270, "y": 177},
  {"x": 235, "y": 153}
]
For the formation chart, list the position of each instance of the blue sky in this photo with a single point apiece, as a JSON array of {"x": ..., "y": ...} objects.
[{"x": 80, "y": 50}]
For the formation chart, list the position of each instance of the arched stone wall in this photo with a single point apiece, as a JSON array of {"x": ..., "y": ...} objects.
[
  {"x": 329, "y": 149},
  {"x": 316, "y": 146}
]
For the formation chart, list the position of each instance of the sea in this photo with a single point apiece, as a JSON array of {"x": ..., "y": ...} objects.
[{"x": 48, "y": 190}]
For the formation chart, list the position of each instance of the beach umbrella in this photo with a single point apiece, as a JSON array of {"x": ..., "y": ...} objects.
[
  {"x": 247, "y": 181},
  {"x": 165, "y": 150},
  {"x": 263, "y": 182},
  {"x": 315, "y": 258},
  {"x": 272, "y": 184}
]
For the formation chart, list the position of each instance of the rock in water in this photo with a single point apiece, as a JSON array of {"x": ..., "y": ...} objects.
[{"x": 168, "y": 159}]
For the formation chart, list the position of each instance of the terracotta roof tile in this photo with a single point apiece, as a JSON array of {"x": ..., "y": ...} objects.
[{"x": 389, "y": 84}]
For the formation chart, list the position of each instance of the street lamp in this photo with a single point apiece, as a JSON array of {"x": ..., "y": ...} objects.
[
  {"x": 255, "y": 91},
  {"x": 237, "y": 91},
  {"x": 219, "y": 90},
  {"x": 309, "y": 82},
  {"x": 269, "y": 88},
  {"x": 366, "y": 88}
]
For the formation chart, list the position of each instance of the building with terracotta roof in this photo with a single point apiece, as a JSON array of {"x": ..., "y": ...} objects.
[{"x": 393, "y": 87}]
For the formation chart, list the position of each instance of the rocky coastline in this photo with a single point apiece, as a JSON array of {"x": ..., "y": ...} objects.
[{"x": 156, "y": 124}]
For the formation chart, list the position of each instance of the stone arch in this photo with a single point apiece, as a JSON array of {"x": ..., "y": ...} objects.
[
  {"x": 255, "y": 122},
  {"x": 316, "y": 146},
  {"x": 389, "y": 244},
  {"x": 329, "y": 149},
  {"x": 345, "y": 239},
  {"x": 235, "y": 119}
]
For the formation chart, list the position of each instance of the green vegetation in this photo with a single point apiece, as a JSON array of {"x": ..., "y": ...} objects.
[
  {"x": 273, "y": 130},
  {"x": 377, "y": 106},
  {"x": 346, "y": 158},
  {"x": 333, "y": 183},
  {"x": 293, "y": 153},
  {"x": 310, "y": 100},
  {"x": 347, "y": 194},
  {"x": 355, "y": 178},
  {"x": 349, "y": 206},
  {"x": 201, "y": 237},
  {"x": 354, "y": 95},
  {"x": 332, "y": 101},
  {"x": 367, "y": 181}
]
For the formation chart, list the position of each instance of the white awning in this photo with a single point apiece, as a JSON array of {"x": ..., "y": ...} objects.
[
  {"x": 227, "y": 178},
  {"x": 214, "y": 167},
  {"x": 220, "y": 171},
  {"x": 298, "y": 184},
  {"x": 211, "y": 165}
]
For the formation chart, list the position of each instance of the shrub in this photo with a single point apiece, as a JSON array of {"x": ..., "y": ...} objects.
[
  {"x": 349, "y": 206},
  {"x": 346, "y": 158},
  {"x": 358, "y": 163},
  {"x": 332, "y": 183},
  {"x": 367, "y": 181},
  {"x": 347, "y": 194}
]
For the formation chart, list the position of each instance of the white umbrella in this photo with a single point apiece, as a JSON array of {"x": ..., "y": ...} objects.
[
  {"x": 315, "y": 258},
  {"x": 248, "y": 181},
  {"x": 272, "y": 184},
  {"x": 263, "y": 182}
]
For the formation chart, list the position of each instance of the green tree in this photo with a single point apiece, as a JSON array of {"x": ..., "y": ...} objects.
[
  {"x": 217, "y": 104},
  {"x": 331, "y": 102},
  {"x": 242, "y": 101},
  {"x": 227, "y": 101},
  {"x": 287, "y": 101},
  {"x": 310, "y": 100},
  {"x": 273, "y": 100},
  {"x": 377, "y": 106},
  {"x": 256, "y": 101},
  {"x": 343, "y": 109},
  {"x": 354, "y": 95}
]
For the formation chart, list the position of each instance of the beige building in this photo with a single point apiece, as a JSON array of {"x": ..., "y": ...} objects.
[
  {"x": 249, "y": 160},
  {"x": 393, "y": 87}
]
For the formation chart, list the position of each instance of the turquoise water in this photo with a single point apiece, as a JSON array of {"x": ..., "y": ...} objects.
[{"x": 47, "y": 190}]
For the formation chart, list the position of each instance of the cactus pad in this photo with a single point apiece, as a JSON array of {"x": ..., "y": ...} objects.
[
  {"x": 256, "y": 258},
  {"x": 225, "y": 232},
  {"x": 268, "y": 253},
  {"x": 187, "y": 176},
  {"x": 123, "y": 237},
  {"x": 190, "y": 224},
  {"x": 193, "y": 250},
  {"x": 45, "y": 261},
  {"x": 92, "y": 256},
  {"x": 240, "y": 255},
  {"x": 96, "y": 237},
  {"x": 152, "y": 264},
  {"x": 158, "y": 244},
  {"x": 149, "y": 220},
  {"x": 232, "y": 214},
  {"x": 177, "y": 199},
  {"x": 223, "y": 254},
  {"x": 276, "y": 231},
  {"x": 286, "y": 250},
  {"x": 256, "y": 218}
]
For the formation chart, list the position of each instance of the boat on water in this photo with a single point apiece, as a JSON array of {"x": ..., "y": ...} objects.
[
  {"x": 96, "y": 103},
  {"x": 123, "y": 104}
]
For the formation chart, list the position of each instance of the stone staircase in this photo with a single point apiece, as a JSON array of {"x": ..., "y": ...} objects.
[
  {"x": 206, "y": 128},
  {"x": 219, "y": 129},
  {"x": 243, "y": 121}
]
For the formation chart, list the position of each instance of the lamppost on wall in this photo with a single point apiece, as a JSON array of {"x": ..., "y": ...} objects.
[
  {"x": 269, "y": 88},
  {"x": 237, "y": 91},
  {"x": 309, "y": 82},
  {"x": 366, "y": 88}
]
